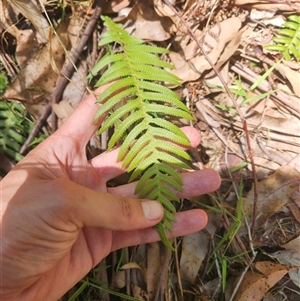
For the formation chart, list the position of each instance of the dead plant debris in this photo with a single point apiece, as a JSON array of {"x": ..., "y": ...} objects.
[{"x": 247, "y": 114}]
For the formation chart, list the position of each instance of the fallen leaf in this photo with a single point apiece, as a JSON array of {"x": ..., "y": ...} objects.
[
  {"x": 154, "y": 267},
  {"x": 5, "y": 22},
  {"x": 31, "y": 11},
  {"x": 255, "y": 285},
  {"x": 293, "y": 245},
  {"x": 288, "y": 257},
  {"x": 291, "y": 5},
  {"x": 295, "y": 210},
  {"x": 38, "y": 78},
  {"x": 268, "y": 267},
  {"x": 23, "y": 52},
  {"x": 291, "y": 258},
  {"x": 139, "y": 293},
  {"x": 292, "y": 76},
  {"x": 274, "y": 192},
  {"x": 146, "y": 24},
  {"x": 113, "y": 6},
  {"x": 216, "y": 41},
  {"x": 62, "y": 109},
  {"x": 295, "y": 162},
  {"x": 120, "y": 279},
  {"x": 194, "y": 250},
  {"x": 130, "y": 265}
]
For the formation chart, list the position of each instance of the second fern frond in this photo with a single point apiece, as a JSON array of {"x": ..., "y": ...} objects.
[
  {"x": 287, "y": 40},
  {"x": 137, "y": 105}
]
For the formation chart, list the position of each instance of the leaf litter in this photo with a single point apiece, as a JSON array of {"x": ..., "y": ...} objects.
[{"x": 231, "y": 259}]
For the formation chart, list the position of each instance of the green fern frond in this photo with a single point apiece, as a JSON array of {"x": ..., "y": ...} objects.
[
  {"x": 137, "y": 104},
  {"x": 15, "y": 127},
  {"x": 287, "y": 40}
]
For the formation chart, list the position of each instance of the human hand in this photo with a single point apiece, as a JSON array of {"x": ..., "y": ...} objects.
[{"x": 59, "y": 219}]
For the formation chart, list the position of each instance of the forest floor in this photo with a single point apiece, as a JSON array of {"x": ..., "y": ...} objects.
[{"x": 244, "y": 95}]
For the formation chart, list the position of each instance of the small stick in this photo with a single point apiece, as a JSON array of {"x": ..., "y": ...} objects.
[
  {"x": 69, "y": 69},
  {"x": 235, "y": 105},
  {"x": 62, "y": 81}
]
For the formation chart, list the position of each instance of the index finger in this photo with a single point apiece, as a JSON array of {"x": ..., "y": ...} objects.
[{"x": 80, "y": 124}]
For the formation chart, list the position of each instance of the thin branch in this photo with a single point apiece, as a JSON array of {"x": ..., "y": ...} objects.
[
  {"x": 63, "y": 80},
  {"x": 233, "y": 101}
]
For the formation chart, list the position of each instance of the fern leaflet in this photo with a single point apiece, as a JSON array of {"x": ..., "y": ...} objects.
[
  {"x": 137, "y": 103},
  {"x": 287, "y": 40}
]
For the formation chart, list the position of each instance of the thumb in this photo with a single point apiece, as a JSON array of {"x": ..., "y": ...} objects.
[{"x": 98, "y": 209}]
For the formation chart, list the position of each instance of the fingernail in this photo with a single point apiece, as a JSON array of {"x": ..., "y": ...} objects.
[{"x": 152, "y": 209}]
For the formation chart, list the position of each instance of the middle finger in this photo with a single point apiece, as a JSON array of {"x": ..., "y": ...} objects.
[{"x": 108, "y": 168}]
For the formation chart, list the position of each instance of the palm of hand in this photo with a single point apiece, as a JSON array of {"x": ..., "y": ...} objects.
[{"x": 64, "y": 229}]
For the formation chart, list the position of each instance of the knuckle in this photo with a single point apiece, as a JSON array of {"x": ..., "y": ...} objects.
[{"x": 127, "y": 210}]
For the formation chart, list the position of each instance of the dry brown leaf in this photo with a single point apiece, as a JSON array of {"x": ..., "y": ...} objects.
[
  {"x": 293, "y": 76},
  {"x": 113, "y": 6},
  {"x": 194, "y": 250},
  {"x": 212, "y": 288},
  {"x": 229, "y": 50},
  {"x": 267, "y": 17},
  {"x": 27, "y": 46},
  {"x": 293, "y": 245},
  {"x": 295, "y": 162},
  {"x": 5, "y": 23},
  {"x": 255, "y": 285},
  {"x": 75, "y": 91},
  {"x": 273, "y": 129},
  {"x": 38, "y": 78},
  {"x": 291, "y": 5},
  {"x": 146, "y": 23},
  {"x": 120, "y": 279},
  {"x": 163, "y": 10},
  {"x": 292, "y": 258},
  {"x": 268, "y": 267},
  {"x": 130, "y": 265},
  {"x": 295, "y": 210},
  {"x": 31, "y": 11},
  {"x": 215, "y": 40},
  {"x": 288, "y": 257},
  {"x": 62, "y": 109},
  {"x": 153, "y": 269},
  {"x": 273, "y": 193},
  {"x": 139, "y": 293}
]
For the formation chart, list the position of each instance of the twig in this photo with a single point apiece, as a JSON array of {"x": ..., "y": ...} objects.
[
  {"x": 163, "y": 279},
  {"x": 237, "y": 285},
  {"x": 37, "y": 128},
  {"x": 218, "y": 271},
  {"x": 178, "y": 268},
  {"x": 63, "y": 80},
  {"x": 234, "y": 103},
  {"x": 70, "y": 67}
]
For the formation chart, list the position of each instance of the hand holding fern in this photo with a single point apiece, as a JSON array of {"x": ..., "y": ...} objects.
[{"x": 59, "y": 219}]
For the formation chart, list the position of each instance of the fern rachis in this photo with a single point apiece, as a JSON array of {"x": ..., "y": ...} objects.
[{"x": 149, "y": 148}]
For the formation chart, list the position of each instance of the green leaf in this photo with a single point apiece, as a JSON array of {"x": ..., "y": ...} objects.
[
  {"x": 105, "y": 60},
  {"x": 129, "y": 140},
  {"x": 114, "y": 88},
  {"x": 119, "y": 113},
  {"x": 171, "y": 128},
  {"x": 161, "y": 231},
  {"x": 166, "y": 134},
  {"x": 157, "y": 195},
  {"x": 138, "y": 145},
  {"x": 123, "y": 127},
  {"x": 114, "y": 100},
  {"x": 138, "y": 106},
  {"x": 160, "y": 97}
]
